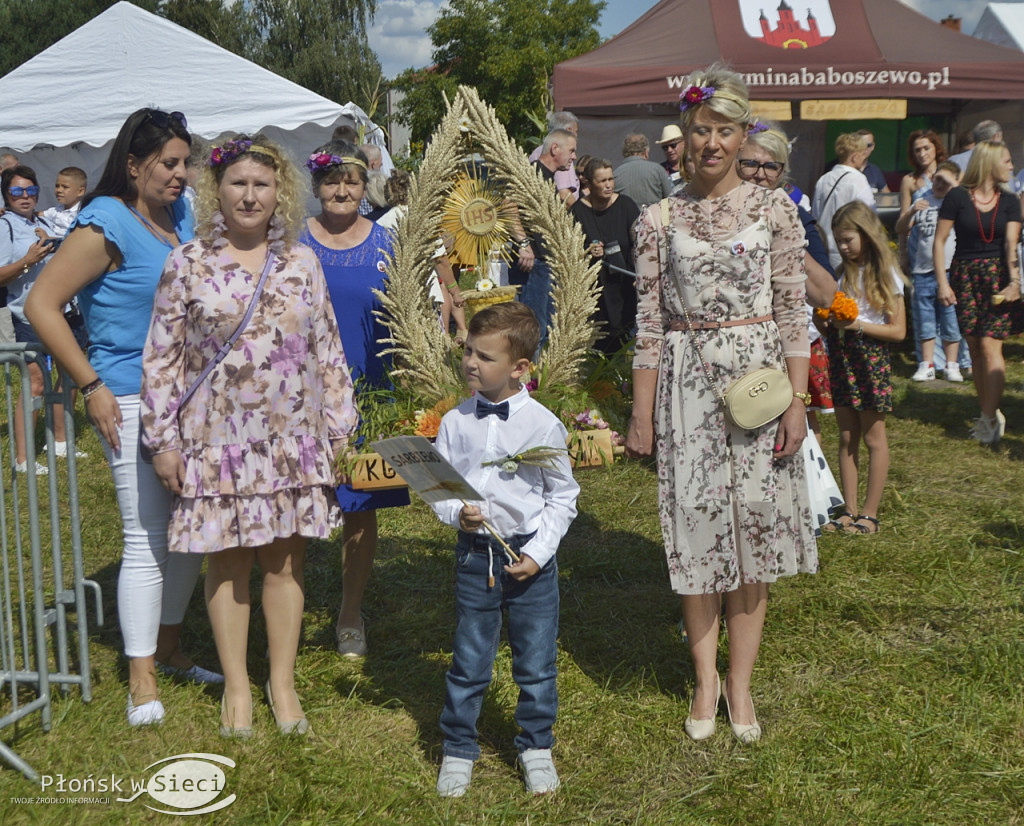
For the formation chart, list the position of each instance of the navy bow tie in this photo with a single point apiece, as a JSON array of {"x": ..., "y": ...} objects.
[{"x": 485, "y": 409}]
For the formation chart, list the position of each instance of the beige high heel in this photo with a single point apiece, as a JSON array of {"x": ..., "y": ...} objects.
[
  {"x": 300, "y": 726},
  {"x": 746, "y": 734},
  {"x": 235, "y": 732},
  {"x": 702, "y": 729}
]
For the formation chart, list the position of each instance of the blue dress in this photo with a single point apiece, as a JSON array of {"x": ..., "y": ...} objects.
[{"x": 351, "y": 276}]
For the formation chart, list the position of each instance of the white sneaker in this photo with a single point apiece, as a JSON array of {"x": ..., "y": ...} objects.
[
  {"x": 925, "y": 372},
  {"x": 60, "y": 450},
  {"x": 539, "y": 771},
  {"x": 22, "y": 467},
  {"x": 454, "y": 777},
  {"x": 952, "y": 373},
  {"x": 1000, "y": 426}
]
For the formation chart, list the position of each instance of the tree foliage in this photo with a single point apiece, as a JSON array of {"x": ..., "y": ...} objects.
[
  {"x": 319, "y": 44},
  {"x": 30, "y": 26},
  {"x": 504, "y": 48}
]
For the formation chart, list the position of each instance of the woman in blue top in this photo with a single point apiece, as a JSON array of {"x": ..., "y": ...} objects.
[
  {"x": 352, "y": 251},
  {"x": 112, "y": 259}
]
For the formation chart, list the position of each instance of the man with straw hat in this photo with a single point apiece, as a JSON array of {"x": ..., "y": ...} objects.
[{"x": 672, "y": 143}]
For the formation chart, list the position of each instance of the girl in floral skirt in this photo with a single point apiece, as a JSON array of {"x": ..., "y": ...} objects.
[{"x": 860, "y": 370}]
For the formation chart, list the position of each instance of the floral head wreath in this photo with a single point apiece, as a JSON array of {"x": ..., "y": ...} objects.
[
  {"x": 757, "y": 127},
  {"x": 319, "y": 161},
  {"x": 225, "y": 154},
  {"x": 696, "y": 93}
]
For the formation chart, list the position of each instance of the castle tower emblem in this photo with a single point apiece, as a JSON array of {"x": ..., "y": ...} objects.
[{"x": 787, "y": 31}]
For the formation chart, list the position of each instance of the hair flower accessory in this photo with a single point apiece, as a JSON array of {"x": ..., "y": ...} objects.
[
  {"x": 230, "y": 150},
  {"x": 694, "y": 95},
  {"x": 757, "y": 127},
  {"x": 322, "y": 160}
]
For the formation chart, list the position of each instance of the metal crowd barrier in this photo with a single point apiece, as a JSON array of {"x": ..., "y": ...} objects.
[{"x": 42, "y": 645}]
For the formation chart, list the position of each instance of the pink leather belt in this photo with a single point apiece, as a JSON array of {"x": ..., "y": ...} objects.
[{"x": 681, "y": 323}]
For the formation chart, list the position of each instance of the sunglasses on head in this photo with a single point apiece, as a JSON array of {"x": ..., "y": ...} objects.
[
  {"x": 163, "y": 119},
  {"x": 21, "y": 191},
  {"x": 770, "y": 169}
]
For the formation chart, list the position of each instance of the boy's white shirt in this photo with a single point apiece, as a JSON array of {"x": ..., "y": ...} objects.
[
  {"x": 533, "y": 498},
  {"x": 62, "y": 217}
]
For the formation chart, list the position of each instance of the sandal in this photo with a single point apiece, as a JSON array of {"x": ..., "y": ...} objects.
[
  {"x": 856, "y": 528},
  {"x": 836, "y": 525}
]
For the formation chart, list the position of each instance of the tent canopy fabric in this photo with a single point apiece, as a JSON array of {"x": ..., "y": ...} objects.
[
  {"x": 843, "y": 49},
  {"x": 1002, "y": 24},
  {"x": 81, "y": 89}
]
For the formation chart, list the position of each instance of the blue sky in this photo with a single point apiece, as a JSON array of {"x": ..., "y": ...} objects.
[{"x": 399, "y": 34}]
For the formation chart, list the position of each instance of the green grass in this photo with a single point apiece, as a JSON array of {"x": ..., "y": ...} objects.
[{"x": 889, "y": 685}]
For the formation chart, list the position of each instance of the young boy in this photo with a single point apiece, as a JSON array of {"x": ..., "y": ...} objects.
[
  {"x": 929, "y": 316},
  {"x": 531, "y": 507},
  {"x": 69, "y": 191}
]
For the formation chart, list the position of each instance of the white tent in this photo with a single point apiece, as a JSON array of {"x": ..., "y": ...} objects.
[
  {"x": 1002, "y": 24},
  {"x": 64, "y": 106}
]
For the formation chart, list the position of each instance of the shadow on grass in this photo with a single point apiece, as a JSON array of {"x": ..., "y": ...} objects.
[
  {"x": 935, "y": 405},
  {"x": 618, "y": 625}
]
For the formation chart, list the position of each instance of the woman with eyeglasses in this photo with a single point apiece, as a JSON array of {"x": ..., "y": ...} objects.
[
  {"x": 720, "y": 286},
  {"x": 112, "y": 260}
]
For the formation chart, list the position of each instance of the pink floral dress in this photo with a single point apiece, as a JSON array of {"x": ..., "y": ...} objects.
[
  {"x": 730, "y": 515},
  {"x": 256, "y": 435}
]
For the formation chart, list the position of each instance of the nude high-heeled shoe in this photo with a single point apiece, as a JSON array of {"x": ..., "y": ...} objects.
[
  {"x": 702, "y": 729},
  {"x": 233, "y": 732},
  {"x": 746, "y": 734},
  {"x": 299, "y": 727}
]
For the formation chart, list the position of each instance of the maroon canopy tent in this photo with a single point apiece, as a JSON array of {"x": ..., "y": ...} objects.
[
  {"x": 878, "y": 51},
  {"x": 841, "y": 49}
]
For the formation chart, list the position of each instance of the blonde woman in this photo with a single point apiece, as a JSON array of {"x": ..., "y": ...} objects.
[
  {"x": 734, "y": 505},
  {"x": 984, "y": 278},
  {"x": 249, "y": 455}
]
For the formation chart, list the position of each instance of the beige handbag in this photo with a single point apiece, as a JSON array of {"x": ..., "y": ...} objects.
[
  {"x": 754, "y": 399},
  {"x": 757, "y": 398}
]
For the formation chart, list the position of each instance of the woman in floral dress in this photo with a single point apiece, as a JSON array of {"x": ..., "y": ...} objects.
[
  {"x": 733, "y": 502},
  {"x": 250, "y": 455}
]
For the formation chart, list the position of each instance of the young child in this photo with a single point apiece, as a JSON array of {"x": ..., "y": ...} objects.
[
  {"x": 858, "y": 351},
  {"x": 69, "y": 191},
  {"x": 531, "y": 506},
  {"x": 929, "y": 314}
]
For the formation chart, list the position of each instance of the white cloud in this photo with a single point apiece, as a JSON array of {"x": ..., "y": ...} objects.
[{"x": 399, "y": 34}]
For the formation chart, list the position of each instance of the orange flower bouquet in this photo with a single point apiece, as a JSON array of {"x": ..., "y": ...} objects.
[{"x": 843, "y": 308}]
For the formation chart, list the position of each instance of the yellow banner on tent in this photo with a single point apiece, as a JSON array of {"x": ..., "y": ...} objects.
[
  {"x": 772, "y": 109},
  {"x": 858, "y": 109}
]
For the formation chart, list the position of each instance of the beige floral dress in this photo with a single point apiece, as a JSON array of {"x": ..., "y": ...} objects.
[
  {"x": 730, "y": 514},
  {"x": 256, "y": 435}
]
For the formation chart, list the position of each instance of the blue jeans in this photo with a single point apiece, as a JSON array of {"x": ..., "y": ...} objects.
[
  {"x": 532, "y": 608},
  {"x": 932, "y": 319},
  {"x": 536, "y": 294}
]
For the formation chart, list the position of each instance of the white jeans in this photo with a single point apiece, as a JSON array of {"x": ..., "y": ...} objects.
[{"x": 154, "y": 587}]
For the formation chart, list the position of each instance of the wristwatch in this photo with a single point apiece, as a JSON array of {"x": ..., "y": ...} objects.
[{"x": 804, "y": 397}]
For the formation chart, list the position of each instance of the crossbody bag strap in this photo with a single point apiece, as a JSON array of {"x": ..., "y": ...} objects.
[
  {"x": 833, "y": 189},
  {"x": 226, "y": 347}
]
